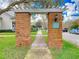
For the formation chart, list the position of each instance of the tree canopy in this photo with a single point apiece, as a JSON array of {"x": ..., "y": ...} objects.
[
  {"x": 28, "y": 3},
  {"x": 74, "y": 25}
]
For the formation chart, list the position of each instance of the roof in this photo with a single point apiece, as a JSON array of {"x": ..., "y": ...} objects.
[{"x": 40, "y": 10}]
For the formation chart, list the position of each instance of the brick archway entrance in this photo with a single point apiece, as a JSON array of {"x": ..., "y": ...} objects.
[{"x": 23, "y": 27}]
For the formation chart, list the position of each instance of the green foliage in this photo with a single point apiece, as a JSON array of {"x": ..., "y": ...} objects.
[
  {"x": 74, "y": 25},
  {"x": 57, "y": 3},
  {"x": 50, "y": 3},
  {"x": 6, "y": 31},
  {"x": 34, "y": 28}
]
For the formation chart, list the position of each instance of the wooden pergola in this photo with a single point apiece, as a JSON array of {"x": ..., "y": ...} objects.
[{"x": 40, "y": 10}]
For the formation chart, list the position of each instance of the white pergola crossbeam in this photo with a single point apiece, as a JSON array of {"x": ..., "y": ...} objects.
[{"x": 40, "y": 10}]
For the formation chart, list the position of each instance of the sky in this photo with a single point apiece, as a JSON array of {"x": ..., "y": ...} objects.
[
  {"x": 4, "y": 3},
  {"x": 72, "y": 12}
]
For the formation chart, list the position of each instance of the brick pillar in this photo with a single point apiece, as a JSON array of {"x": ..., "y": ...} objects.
[
  {"x": 23, "y": 29},
  {"x": 54, "y": 34}
]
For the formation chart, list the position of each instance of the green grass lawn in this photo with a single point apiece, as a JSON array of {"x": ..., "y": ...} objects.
[
  {"x": 8, "y": 49},
  {"x": 68, "y": 51},
  {"x": 7, "y": 33},
  {"x": 44, "y": 32},
  {"x": 33, "y": 33},
  {"x": 6, "y": 42},
  {"x": 13, "y": 33}
]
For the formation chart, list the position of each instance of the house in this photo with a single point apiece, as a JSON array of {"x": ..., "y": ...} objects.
[
  {"x": 7, "y": 22},
  {"x": 68, "y": 24}
]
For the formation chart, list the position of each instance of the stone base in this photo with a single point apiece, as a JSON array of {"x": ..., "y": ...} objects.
[{"x": 23, "y": 42}]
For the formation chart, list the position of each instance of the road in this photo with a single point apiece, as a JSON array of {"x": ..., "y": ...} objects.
[{"x": 72, "y": 38}]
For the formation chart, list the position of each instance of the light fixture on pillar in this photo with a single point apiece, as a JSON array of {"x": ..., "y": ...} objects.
[{"x": 55, "y": 23}]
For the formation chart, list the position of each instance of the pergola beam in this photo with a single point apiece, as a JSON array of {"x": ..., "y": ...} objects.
[{"x": 40, "y": 10}]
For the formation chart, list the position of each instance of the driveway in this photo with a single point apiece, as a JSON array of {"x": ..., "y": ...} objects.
[{"x": 72, "y": 38}]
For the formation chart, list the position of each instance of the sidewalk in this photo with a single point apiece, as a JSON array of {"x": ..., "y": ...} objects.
[{"x": 39, "y": 49}]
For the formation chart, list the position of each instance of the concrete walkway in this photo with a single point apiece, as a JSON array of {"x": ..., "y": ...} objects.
[
  {"x": 72, "y": 38},
  {"x": 39, "y": 49}
]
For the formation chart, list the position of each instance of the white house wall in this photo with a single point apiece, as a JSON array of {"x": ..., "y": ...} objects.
[
  {"x": 0, "y": 24},
  {"x": 6, "y": 22}
]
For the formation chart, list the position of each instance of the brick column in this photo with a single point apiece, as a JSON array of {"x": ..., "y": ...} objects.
[
  {"x": 54, "y": 35},
  {"x": 23, "y": 29}
]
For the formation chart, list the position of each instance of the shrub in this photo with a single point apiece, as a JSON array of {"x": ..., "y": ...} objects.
[{"x": 6, "y": 31}]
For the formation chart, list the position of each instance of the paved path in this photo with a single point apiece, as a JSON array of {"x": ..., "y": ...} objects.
[
  {"x": 73, "y": 38},
  {"x": 39, "y": 49}
]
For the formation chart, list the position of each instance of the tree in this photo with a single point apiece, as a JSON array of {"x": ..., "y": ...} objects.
[
  {"x": 38, "y": 24},
  {"x": 74, "y": 25},
  {"x": 45, "y": 4},
  {"x": 50, "y": 3},
  {"x": 44, "y": 21},
  {"x": 14, "y": 4}
]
